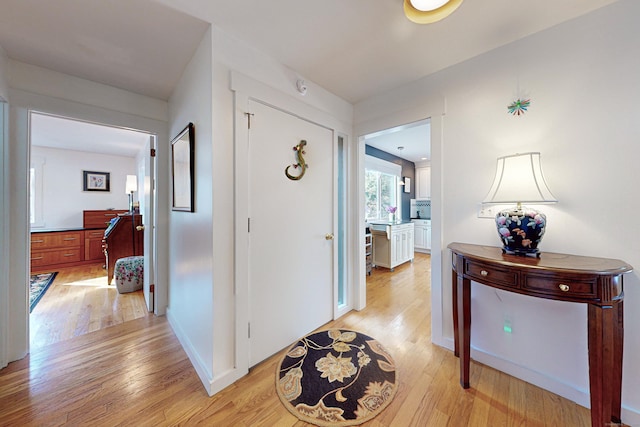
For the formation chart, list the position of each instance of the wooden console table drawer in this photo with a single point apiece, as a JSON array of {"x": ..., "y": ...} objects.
[
  {"x": 482, "y": 272},
  {"x": 561, "y": 287}
]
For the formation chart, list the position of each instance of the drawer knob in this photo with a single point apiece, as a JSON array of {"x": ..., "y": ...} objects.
[
  {"x": 563, "y": 287},
  {"x": 484, "y": 273}
]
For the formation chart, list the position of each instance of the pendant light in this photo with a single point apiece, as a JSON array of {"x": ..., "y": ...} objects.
[{"x": 429, "y": 11}]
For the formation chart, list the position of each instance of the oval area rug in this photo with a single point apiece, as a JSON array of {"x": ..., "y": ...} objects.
[{"x": 336, "y": 378}]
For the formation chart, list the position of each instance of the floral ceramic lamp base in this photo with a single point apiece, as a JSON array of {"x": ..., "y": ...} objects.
[{"x": 521, "y": 230}]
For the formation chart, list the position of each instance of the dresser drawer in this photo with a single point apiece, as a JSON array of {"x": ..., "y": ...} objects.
[
  {"x": 561, "y": 287},
  {"x": 94, "y": 234},
  {"x": 483, "y": 272},
  {"x": 54, "y": 240},
  {"x": 99, "y": 218},
  {"x": 58, "y": 256}
]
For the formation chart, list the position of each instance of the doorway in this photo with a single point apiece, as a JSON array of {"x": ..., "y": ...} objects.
[
  {"x": 62, "y": 150},
  {"x": 396, "y": 165}
]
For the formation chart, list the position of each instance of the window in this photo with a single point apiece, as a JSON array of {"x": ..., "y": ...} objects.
[
  {"x": 381, "y": 180},
  {"x": 36, "y": 191}
]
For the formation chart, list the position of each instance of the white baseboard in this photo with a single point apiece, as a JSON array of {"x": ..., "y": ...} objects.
[
  {"x": 630, "y": 416},
  {"x": 212, "y": 385}
]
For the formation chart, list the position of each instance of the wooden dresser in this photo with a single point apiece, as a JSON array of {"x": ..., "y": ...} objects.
[
  {"x": 53, "y": 249},
  {"x": 95, "y": 222}
]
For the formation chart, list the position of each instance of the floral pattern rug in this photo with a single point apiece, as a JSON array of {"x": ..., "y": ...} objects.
[
  {"x": 38, "y": 285},
  {"x": 336, "y": 378}
]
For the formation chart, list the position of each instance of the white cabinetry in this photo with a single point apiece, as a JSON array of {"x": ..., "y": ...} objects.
[
  {"x": 422, "y": 235},
  {"x": 423, "y": 182},
  {"x": 392, "y": 244}
]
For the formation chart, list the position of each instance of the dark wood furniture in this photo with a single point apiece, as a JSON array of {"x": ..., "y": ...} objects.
[
  {"x": 100, "y": 218},
  {"x": 124, "y": 238},
  {"x": 594, "y": 281},
  {"x": 95, "y": 223},
  {"x": 56, "y": 248}
]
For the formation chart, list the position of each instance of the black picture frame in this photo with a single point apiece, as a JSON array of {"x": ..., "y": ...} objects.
[
  {"x": 96, "y": 181},
  {"x": 182, "y": 170},
  {"x": 407, "y": 184}
]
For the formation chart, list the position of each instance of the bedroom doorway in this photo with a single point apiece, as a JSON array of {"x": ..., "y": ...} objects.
[{"x": 62, "y": 150}]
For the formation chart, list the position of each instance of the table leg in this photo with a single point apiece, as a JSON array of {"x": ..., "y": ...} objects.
[
  {"x": 454, "y": 298},
  {"x": 601, "y": 362},
  {"x": 618, "y": 344},
  {"x": 464, "y": 328}
]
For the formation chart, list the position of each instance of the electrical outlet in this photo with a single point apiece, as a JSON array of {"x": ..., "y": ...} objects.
[{"x": 486, "y": 211}]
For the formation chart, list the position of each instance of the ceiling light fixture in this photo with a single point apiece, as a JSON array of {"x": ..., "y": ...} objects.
[{"x": 429, "y": 11}]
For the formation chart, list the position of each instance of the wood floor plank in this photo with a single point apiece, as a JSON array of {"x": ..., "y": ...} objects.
[
  {"x": 132, "y": 371},
  {"x": 79, "y": 301}
]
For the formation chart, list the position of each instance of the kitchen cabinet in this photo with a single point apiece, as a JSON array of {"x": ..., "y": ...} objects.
[
  {"x": 368, "y": 252},
  {"x": 422, "y": 235},
  {"x": 392, "y": 244},
  {"x": 423, "y": 182}
]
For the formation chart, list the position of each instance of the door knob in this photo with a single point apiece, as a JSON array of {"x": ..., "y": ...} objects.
[
  {"x": 328, "y": 236},
  {"x": 140, "y": 227}
]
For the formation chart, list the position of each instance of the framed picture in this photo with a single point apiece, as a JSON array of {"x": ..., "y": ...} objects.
[
  {"x": 182, "y": 170},
  {"x": 96, "y": 181},
  {"x": 407, "y": 184}
]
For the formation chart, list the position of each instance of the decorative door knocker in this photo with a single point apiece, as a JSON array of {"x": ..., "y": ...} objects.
[{"x": 299, "y": 149}]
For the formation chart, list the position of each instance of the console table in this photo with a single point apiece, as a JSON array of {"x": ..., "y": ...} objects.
[{"x": 593, "y": 281}]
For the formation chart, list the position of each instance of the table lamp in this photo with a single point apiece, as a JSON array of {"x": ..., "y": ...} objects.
[
  {"x": 519, "y": 180},
  {"x": 131, "y": 186}
]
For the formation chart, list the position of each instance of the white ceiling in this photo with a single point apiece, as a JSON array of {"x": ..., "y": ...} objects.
[
  {"x": 352, "y": 48},
  {"x": 411, "y": 142},
  {"x": 62, "y": 133}
]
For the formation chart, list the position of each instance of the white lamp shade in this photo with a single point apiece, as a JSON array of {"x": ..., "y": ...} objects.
[
  {"x": 519, "y": 179},
  {"x": 131, "y": 184}
]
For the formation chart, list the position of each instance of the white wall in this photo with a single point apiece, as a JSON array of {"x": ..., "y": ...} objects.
[
  {"x": 5, "y": 244},
  {"x": 34, "y": 88},
  {"x": 582, "y": 80},
  {"x": 203, "y": 292},
  {"x": 191, "y": 233},
  {"x": 63, "y": 198}
]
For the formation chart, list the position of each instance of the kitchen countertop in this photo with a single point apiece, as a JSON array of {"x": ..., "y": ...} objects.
[{"x": 404, "y": 221}]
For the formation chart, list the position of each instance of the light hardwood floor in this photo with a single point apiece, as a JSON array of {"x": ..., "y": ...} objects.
[
  {"x": 78, "y": 302},
  {"x": 137, "y": 374}
]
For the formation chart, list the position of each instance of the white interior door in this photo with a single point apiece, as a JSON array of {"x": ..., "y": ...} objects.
[
  {"x": 290, "y": 258},
  {"x": 147, "y": 207}
]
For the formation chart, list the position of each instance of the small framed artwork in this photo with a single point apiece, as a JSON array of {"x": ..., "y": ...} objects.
[
  {"x": 96, "y": 181},
  {"x": 182, "y": 169},
  {"x": 407, "y": 184}
]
